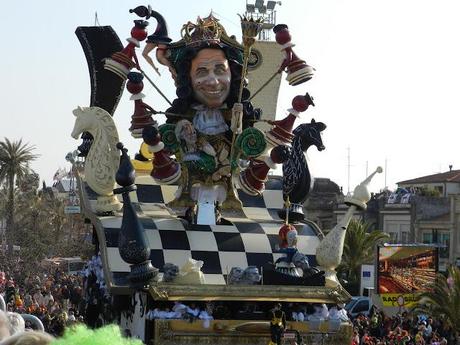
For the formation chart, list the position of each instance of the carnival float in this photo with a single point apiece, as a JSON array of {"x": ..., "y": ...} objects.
[{"x": 195, "y": 216}]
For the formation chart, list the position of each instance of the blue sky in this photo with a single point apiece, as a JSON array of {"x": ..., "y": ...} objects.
[{"x": 386, "y": 83}]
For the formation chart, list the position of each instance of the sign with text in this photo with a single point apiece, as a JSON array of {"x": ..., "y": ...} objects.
[
  {"x": 399, "y": 300},
  {"x": 71, "y": 209}
]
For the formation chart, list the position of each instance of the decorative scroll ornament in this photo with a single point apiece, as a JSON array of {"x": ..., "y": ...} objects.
[
  {"x": 251, "y": 143},
  {"x": 168, "y": 136}
]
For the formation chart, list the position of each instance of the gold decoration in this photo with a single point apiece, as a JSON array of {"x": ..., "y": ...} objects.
[
  {"x": 286, "y": 293},
  {"x": 238, "y": 332},
  {"x": 205, "y": 30}
]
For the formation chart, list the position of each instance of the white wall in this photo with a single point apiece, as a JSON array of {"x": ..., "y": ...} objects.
[{"x": 398, "y": 226}]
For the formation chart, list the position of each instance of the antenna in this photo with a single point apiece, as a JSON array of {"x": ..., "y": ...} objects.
[
  {"x": 96, "y": 20},
  {"x": 258, "y": 9}
]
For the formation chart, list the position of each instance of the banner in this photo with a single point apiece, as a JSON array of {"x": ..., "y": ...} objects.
[{"x": 399, "y": 300}]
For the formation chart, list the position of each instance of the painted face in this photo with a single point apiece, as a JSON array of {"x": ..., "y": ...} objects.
[{"x": 211, "y": 76}]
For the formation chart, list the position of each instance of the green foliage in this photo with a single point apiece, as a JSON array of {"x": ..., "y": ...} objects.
[
  {"x": 443, "y": 301},
  {"x": 35, "y": 220},
  {"x": 359, "y": 249},
  {"x": 81, "y": 335},
  {"x": 44, "y": 230},
  {"x": 15, "y": 158}
]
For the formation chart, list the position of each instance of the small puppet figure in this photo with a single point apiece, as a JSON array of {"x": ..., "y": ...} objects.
[
  {"x": 277, "y": 325},
  {"x": 291, "y": 249}
]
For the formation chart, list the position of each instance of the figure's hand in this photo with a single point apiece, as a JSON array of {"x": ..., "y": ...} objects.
[{"x": 237, "y": 118}]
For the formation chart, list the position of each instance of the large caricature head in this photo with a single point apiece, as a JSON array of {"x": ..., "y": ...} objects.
[
  {"x": 210, "y": 77},
  {"x": 207, "y": 66}
]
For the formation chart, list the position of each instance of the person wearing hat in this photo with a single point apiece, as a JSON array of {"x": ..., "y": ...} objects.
[{"x": 277, "y": 325}]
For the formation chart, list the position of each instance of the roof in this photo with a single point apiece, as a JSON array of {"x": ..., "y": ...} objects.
[
  {"x": 448, "y": 176},
  {"x": 63, "y": 186},
  {"x": 324, "y": 186}
]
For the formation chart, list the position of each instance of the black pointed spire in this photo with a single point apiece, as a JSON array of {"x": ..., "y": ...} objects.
[{"x": 132, "y": 244}]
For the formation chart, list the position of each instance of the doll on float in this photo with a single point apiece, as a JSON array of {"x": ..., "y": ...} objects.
[{"x": 208, "y": 145}]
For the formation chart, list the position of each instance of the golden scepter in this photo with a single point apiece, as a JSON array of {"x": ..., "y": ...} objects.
[{"x": 250, "y": 28}]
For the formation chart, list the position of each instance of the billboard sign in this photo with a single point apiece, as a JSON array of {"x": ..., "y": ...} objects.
[
  {"x": 406, "y": 270},
  {"x": 367, "y": 278}
]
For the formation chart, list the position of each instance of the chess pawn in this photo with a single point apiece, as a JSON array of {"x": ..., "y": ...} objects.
[
  {"x": 281, "y": 132},
  {"x": 165, "y": 169},
  {"x": 298, "y": 71},
  {"x": 252, "y": 179},
  {"x": 142, "y": 111},
  {"x": 122, "y": 62}
]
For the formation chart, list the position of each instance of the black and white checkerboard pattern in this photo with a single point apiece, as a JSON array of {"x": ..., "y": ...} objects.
[{"x": 250, "y": 240}]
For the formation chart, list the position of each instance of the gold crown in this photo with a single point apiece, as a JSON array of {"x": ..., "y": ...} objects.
[{"x": 206, "y": 30}]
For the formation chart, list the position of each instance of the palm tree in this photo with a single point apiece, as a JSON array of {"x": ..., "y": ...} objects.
[
  {"x": 443, "y": 301},
  {"x": 14, "y": 165},
  {"x": 359, "y": 249}
]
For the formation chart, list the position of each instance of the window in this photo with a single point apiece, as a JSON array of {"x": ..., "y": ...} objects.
[
  {"x": 361, "y": 306},
  {"x": 404, "y": 237},
  {"x": 437, "y": 237},
  {"x": 393, "y": 237},
  {"x": 444, "y": 239},
  {"x": 427, "y": 237}
]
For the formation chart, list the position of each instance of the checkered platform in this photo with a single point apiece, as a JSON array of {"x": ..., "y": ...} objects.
[{"x": 250, "y": 240}]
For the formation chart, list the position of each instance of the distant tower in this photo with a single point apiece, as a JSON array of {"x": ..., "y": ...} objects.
[{"x": 270, "y": 57}]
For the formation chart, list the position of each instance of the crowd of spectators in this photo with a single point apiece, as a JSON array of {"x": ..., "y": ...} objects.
[
  {"x": 58, "y": 299},
  {"x": 401, "y": 329}
]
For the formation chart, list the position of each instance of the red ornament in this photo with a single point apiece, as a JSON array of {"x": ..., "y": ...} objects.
[
  {"x": 134, "y": 88},
  {"x": 299, "y": 103},
  {"x": 281, "y": 133},
  {"x": 165, "y": 169},
  {"x": 298, "y": 71},
  {"x": 138, "y": 33},
  {"x": 253, "y": 178},
  {"x": 282, "y": 35}
]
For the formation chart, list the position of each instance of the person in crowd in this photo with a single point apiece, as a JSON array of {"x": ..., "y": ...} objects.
[{"x": 337, "y": 312}]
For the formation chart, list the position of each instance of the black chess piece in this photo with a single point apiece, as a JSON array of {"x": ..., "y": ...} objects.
[{"x": 132, "y": 244}]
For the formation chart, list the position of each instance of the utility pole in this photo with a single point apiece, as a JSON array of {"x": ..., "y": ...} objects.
[
  {"x": 348, "y": 169},
  {"x": 386, "y": 169}
]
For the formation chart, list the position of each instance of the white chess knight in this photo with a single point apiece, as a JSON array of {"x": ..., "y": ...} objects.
[
  {"x": 329, "y": 251},
  {"x": 103, "y": 158}
]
